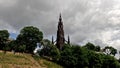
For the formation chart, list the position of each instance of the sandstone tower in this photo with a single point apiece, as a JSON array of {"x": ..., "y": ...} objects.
[{"x": 60, "y": 34}]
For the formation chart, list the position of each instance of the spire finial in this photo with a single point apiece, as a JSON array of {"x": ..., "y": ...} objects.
[
  {"x": 60, "y": 18},
  {"x": 52, "y": 40},
  {"x": 68, "y": 40},
  {"x": 60, "y": 15}
]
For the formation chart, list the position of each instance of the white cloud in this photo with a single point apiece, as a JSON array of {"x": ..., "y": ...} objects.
[
  {"x": 97, "y": 21},
  {"x": 7, "y": 3},
  {"x": 6, "y": 26}
]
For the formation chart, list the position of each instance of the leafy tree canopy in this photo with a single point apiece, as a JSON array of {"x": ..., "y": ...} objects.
[
  {"x": 110, "y": 50},
  {"x": 28, "y": 37},
  {"x": 4, "y": 35}
]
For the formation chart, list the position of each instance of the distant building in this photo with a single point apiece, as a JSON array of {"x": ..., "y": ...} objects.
[
  {"x": 38, "y": 48},
  {"x": 60, "y": 40}
]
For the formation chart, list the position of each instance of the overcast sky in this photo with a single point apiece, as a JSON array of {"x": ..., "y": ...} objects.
[{"x": 96, "y": 21}]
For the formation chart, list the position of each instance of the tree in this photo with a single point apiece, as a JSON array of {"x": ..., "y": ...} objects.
[
  {"x": 29, "y": 36},
  {"x": 50, "y": 51},
  {"x": 109, "y": 62},
  {"x": 67, "y": 58},
  {"x": 90, "y": 46},
  {"x": 54, "y": 53},
  {"x": 95, "y": 60},
  {"x": 97, "y": 48},
  {"x": 13, "y": 46},
  {"x": 110, "y": 50},
  {"x": 73, "y": 57},
  {"x": 79, "y": 57},
  {"x": 46, "y": 42},
  {"x": 81, "y": 54},
  {"x": 22, "y": 48},
  {"x": 4, "y": 35}
]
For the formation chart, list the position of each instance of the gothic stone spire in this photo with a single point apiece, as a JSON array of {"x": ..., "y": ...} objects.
[
  {"x": 60, "y": 34},
  {"x": 68, "y": 40},
  {"x": 52, "y": 40}
]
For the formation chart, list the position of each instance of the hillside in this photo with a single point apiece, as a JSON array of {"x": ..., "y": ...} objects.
[{"x": 9, "y": 60}]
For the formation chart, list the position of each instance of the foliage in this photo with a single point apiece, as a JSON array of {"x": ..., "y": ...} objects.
[
  {"x": 76, "y": 56},
  {"x": 91, "y": 46},
  {"x": 110, "y": 62},
  {"x": 110, "y": 50},
  {"x": 67, "y": 59},
  {"x": 22, "y": 48},
  {"x": 29, "y": 36},
  {"x": 51, "y": 51},
  {"x": 4, "y": 35},
  {"x": 13, "y": 45},
  {"x": 46, "y": 42},
  {"x": 95, "y": 60},
  {"x": 73, "y": 56},
  {"x": 97, "y": 48}
]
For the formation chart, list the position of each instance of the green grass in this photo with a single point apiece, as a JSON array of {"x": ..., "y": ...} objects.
[
  {"x": 19, "y": 60},
  {"x": 51, "y": 64},
  {"x": 9, "y": 60},
  {"x": 46, "y": 63}
]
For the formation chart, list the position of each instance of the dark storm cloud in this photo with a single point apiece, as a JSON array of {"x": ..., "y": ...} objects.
[{"x": 84, "y": 20}]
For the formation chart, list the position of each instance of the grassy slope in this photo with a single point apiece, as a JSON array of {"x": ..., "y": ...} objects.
[
  {"x": 19, "y": 60},
  {"x": 47, "y": 64}
]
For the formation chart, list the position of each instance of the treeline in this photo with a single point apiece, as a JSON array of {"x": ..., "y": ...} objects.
[
  {"x": 25, "y": 41},
  {"x": 71, "y": 56},
  {"x": 87, "y": 56}
]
